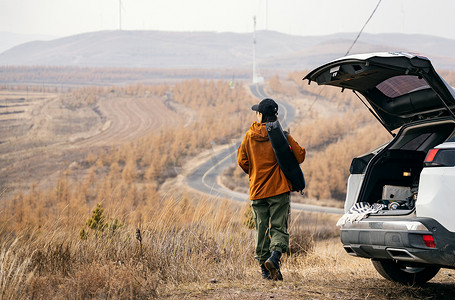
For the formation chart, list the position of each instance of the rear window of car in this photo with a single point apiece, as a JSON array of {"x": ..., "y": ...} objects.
[{"x": 401, "y": 85}]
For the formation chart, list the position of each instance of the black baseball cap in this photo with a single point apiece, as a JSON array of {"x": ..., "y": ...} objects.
[{"x": 266, "y": 107}]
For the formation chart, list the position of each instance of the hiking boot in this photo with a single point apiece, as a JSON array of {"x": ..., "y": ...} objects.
[
  {"x": 265, "y": 272},
  {"x": 273, "y": 265}
]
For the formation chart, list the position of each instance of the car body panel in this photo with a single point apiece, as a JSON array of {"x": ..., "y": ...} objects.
[
  {"x": 446, "y": 145},
  {"x": 436, "y": 194},
  {"x": 400, "y": 87},
  {"x": 353, "y": 189}
]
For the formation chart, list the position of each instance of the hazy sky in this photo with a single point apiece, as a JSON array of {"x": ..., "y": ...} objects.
[{"x": 299, "y": 17}]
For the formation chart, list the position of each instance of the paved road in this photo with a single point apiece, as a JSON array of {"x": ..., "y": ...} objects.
[{"x": 205, "y": 177}]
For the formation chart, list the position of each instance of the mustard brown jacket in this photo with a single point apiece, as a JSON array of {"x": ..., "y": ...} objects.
[{"x": 256, "y": 157}]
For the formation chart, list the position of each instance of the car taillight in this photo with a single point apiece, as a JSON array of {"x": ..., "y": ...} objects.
[
  {"x": 429, "y": 241},
  {"x": 440, "y": 158},
  {"x": 431, "y": 154}
]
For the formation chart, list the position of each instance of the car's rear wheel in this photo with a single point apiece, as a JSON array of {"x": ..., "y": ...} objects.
[{"x": 403, "y": 273}]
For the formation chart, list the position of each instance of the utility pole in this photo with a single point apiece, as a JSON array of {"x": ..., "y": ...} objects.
[
  {"x": 256, "y": 78},
  {"x": 254, "y": 51},
  {"x": 120, "y": 14}
]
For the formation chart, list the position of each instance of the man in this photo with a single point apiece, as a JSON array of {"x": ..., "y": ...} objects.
[{"x": 269, "y": 189}]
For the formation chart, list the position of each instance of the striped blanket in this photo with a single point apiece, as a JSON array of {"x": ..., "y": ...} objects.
[{"x": 360, "y": 211}]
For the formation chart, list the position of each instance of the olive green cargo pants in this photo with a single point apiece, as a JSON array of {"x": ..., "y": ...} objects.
[{"x": 271, "y": 219}]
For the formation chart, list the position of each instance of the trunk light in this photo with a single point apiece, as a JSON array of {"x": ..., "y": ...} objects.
[
  {"x": 429, "y": 241},
  {"x": 431, "y": 154}
]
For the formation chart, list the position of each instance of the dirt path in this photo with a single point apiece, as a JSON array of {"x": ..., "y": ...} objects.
[{"x": 127, "y": 119}]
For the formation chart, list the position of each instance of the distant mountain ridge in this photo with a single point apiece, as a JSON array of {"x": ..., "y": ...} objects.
[
  {"x": 9, "y": 40},
  {"x": 212, "y": 50}
]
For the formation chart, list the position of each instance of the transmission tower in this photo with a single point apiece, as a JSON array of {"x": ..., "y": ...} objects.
[
  {"x": 120, "y": 14},
  {"x": 254, "y": 51},
  {"x": 256, "y": 78}
]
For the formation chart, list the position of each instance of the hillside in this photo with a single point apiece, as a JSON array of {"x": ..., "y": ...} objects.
[
  {"x": 212, "y": 50},
  {"x": 9, "y": 40}
]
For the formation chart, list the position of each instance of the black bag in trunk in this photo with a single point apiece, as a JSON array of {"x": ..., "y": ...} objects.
[{"x": 284, "y": 155}]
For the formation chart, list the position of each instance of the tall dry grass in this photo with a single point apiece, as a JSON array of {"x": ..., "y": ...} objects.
[
  {"x": 189, "y": 250},
  {"x": 15, "y": 270},
  {"x": 182, "y": 243}
]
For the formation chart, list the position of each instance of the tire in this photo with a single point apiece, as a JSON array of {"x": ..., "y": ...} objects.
[{"x": 400, "y": 272}]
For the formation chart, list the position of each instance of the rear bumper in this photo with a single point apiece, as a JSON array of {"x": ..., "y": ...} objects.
[{"x": 400, "y": 239}]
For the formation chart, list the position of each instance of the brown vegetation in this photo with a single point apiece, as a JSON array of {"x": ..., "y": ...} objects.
[
  {"x": 186, "y": 250},
  {"x": 44, "y": 133},
  {"x": 70, "y": 256},
  {"x": 131, "y": 172},
  {"x": 178, "y": 241}
]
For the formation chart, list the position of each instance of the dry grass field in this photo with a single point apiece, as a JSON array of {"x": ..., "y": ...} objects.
[
  {"x": 42, "y": 133},
  {"x": 189, "y": 251}
]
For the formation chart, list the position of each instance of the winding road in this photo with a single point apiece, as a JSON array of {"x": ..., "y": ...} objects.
[{"x": 205, "y": 177}]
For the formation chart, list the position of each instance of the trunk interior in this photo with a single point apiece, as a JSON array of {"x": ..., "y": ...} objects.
[{"x": 392, "y": 176}]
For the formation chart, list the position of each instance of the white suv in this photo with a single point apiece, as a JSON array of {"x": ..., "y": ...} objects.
[{"x": 400, "y": 203}]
